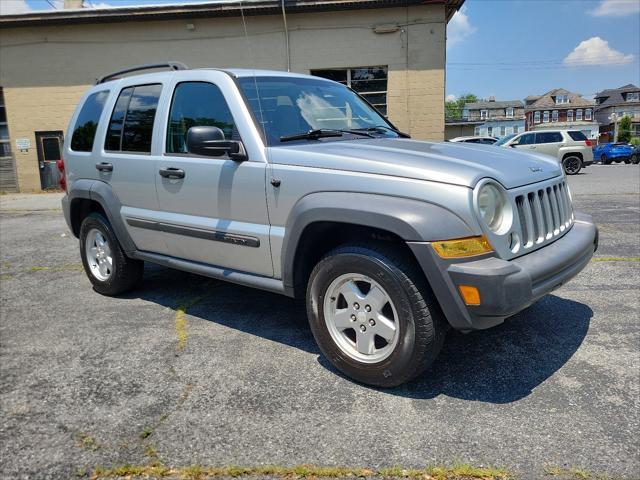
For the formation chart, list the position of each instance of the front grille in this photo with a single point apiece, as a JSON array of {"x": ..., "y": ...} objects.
[{"x": 542, "y": 214}]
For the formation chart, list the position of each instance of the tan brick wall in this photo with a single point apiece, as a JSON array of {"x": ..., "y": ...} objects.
[{"x": 45, "y": 70}]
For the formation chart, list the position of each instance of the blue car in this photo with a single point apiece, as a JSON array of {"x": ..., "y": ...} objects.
[{"x": 612, "y": 152}]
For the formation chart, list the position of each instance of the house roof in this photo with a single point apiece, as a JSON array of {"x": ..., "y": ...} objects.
[
  {"x": 613, "y": 96},
  {"x": 489, "y": 105},
  {"x": 228, "y": 8},
  {"x": 547, "y": 100}
]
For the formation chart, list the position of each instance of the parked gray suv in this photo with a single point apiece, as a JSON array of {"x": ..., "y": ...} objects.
[{"x": 296, "y": 185}]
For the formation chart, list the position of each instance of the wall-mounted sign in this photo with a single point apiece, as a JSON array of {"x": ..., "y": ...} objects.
[{"x": 23, "y": 143}]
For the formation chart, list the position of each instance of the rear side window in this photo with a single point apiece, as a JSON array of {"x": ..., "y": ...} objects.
[
  {"x": 84, "y": 131},
  {"x": 131, "y": 125},
  {"x": 548, "y": 137},
  {"x": 197, "y": 104},
  {"x": 577, "y": 136}
]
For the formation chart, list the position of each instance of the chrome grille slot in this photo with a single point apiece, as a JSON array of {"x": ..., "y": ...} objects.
[{"x": 544, "y": 213}]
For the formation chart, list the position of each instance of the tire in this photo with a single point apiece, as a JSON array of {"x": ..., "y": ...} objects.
[
  {"x": 634, "y": 158},
  {"x": 572, "y": 165},
  {"x": 419, "y": 325},
  {"x": 605, "y": 160},
  {"x": 627, "y": 160},
  {"x": 110, "y": 271}
]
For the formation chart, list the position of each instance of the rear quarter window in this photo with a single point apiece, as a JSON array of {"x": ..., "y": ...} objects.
[
  {"x": 577, "y": 136},
  {"x": 84, "y": 131}
]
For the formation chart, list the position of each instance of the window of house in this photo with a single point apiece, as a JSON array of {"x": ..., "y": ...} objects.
[
  {"x": 587, "y": 114},
  {"x": 516, "y": 128},
  {"x": 537, "y": 117},
  {"x": 554, "y": 116},
  {"x": 84, "y": 131},
  {"x": 197, "y": 104},
  {"x": 579, "y": 114},
  {"x": 131, "y": 125},
  {"x": 633, "y": 96},
  {"x": 560, "y": 99},
  {"x": 503, "y": 131},
  {"x": 490, "y": 131},
  {"x": 569, "y": 115},
  {"x": 509, "y": 112},
  {"x": 370, "y": 82},
  {"x": 508, "y": 130},
  {"x": 545, "y": 117},
  {"x": 476, "y": 131},
  {"x": 484, "y": 114}
]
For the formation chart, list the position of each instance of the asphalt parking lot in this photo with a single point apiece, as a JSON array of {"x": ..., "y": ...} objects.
[{"x": 187, "y": 370}]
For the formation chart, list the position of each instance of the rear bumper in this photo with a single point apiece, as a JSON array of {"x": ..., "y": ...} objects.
[{"x": 506, "y": 287}]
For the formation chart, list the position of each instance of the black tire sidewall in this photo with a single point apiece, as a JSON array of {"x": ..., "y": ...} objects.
[
  {"x": 393, "y": 369},
  {"x": 569, "y": 159}
]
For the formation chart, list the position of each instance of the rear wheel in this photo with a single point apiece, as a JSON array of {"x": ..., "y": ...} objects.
[
  {"x": 110, "y": 271},
  {"x": 373, "y": 315},
  {"x": 572, "y": 165},
  {"x": 627, "y": 160},
  {"x": 604, "y": 159}
]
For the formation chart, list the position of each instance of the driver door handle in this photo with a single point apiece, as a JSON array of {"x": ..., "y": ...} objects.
[{"x": 171, "y": 172}]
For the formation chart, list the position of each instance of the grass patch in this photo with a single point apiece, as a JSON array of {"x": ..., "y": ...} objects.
[
  {"x": 86, "y": 441},
  {"x": 181, "y": 320},
  {"x": 6, "y": 276},
  {"x": 574, "y": 473},
  {"x": 615, "y": 259},
  {"x": 67, "y": 267},
  {"x": 198, "y": 472}
]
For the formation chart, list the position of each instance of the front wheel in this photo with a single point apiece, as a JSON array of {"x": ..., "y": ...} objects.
[
  {"x": 604, "y": 159},
  {"x": 634, "y": 158},
  {"x": 572, "y": 165},
  {"x": 110, "y": 271},
  {"x": 373, "y": 315},
  {"x": 627, "y": 160}
]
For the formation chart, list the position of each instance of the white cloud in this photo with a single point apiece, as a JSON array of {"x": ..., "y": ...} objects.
[
  {"x": 616, "y": 8},
  {"x": 459, "y": 28},
  {"x": 12, "y": 7},
  {"x": 450, "y": 98},
  {"x": 596, "y": 51}
]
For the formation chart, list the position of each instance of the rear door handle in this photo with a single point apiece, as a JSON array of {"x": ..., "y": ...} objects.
[
  {"x": 105, "y": 167},
  {"x": 171, "y": 172}
]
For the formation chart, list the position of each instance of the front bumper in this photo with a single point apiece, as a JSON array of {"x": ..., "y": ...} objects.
[{"x": 506, "y": 286}]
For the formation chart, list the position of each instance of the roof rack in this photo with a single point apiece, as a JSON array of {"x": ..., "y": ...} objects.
[{"x": 151, "y": 66}]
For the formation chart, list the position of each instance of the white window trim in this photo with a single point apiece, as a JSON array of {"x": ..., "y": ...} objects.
[
  {"x": 588, "y": 114},
  {"x": 569, "y": 115},
  {"x": 579, "y": 115},
  {"x": 536, "y": 117},
  {"x": 508, "y": 112},
  {"x": 545, "y": 116},
  {"x": 555, "y": 115},
  {"x": 476, "y": 131},
  {"x": 484, "y": 114}
]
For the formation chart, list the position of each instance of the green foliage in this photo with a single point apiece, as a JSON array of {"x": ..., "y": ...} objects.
[
  {"x": 453, "y": 109},
  {"x": 635, "y": 141},
  {"x": 624, "y": 129}
]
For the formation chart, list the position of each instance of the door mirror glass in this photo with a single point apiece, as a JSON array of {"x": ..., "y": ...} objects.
[{"x": 209, "y": 141}]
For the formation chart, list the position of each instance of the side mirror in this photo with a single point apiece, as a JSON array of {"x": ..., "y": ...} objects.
[{"x": 209, "y": 141}]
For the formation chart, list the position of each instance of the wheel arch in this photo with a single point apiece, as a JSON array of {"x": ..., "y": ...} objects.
[{"x": 322, "y": 221}]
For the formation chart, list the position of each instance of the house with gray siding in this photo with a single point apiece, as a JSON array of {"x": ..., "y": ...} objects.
[
  {"x": 618, "y": 102},
  {"x": 499, "y": 118}
]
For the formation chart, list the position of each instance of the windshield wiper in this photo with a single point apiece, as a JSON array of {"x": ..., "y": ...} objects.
[
  {"x": 377, "y": 128},
  {"x": 322, "y": 133}
]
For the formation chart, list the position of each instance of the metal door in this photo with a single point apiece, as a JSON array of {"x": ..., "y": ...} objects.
[{"x": 49, "y": 145}]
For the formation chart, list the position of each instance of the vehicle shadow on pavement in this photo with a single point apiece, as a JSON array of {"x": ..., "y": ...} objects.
[{"x": 499, "y": 365}]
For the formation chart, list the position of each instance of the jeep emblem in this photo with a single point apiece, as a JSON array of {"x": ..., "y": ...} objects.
[{"x": 535, "y": 169}]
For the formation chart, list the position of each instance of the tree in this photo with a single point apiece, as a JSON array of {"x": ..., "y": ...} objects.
[
  {"x": 453, "y": 109},
  {"x": 624, "y": 129}
]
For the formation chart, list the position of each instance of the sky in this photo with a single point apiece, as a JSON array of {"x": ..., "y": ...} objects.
[{"x": 512, "y": 48}]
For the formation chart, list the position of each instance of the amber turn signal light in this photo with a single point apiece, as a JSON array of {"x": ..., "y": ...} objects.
[
  {"x": 462, "y": 247},
  {"x": 470, "y": 295}
]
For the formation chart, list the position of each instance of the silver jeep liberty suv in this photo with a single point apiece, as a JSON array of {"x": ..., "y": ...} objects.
[{"x": 296, "y": 185}]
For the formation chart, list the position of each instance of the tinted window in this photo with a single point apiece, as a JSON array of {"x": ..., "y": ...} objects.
[
  {"x": 577, "y": 136},
  {"x": 195, "y": 104},
  {"x": 51, "y": 148},
  {"x": 548, "y": 137},
  {"x": 138, "y": 123},
  {"x": 84, "y": 131},
  {"x": 114, "y": 134},
  {"x": 526, "y": 139}
]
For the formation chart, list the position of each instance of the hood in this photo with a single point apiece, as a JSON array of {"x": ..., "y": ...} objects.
[{"x": 456, "y": 163}]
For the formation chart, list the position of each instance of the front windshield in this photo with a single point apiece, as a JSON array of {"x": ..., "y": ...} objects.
[
  {"x": 504, "y": 140},
  {"x": 294, "y": 105}
]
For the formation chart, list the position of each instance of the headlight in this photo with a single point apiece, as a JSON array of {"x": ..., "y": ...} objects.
[{"x": 491, "y": 204}]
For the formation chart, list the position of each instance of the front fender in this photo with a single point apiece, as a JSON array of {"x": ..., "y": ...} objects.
[{"x": 411, "y": 220}]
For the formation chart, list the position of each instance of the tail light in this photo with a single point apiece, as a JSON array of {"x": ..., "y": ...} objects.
[
  {"x": 63, "y": 178},
  {"x": 588, "y": 143}
]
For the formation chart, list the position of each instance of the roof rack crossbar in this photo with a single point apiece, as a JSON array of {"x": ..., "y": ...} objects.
[{"x": 151, "y": 66}]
